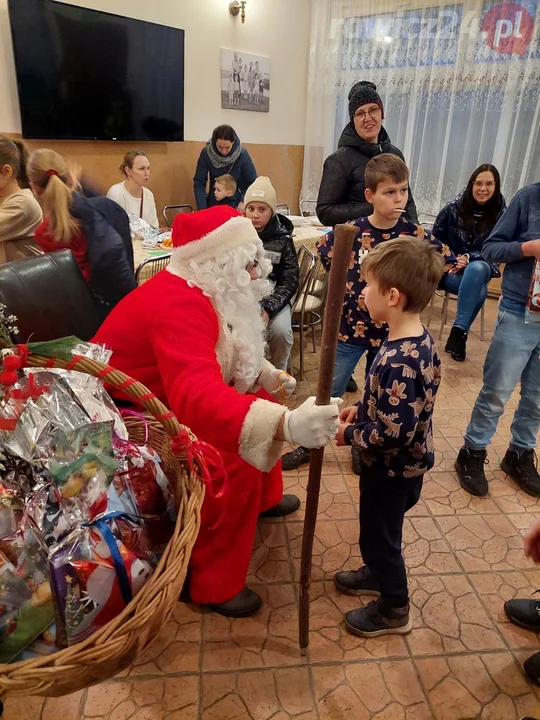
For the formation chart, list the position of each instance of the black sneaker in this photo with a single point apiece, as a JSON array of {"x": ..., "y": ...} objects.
[
  {"x": 522, "y": 467},
  {"x": 296, "y": 458},
  {"x": 470, "y": 471},
  {"x": 524, "y": 613},
  {"x": 356, "y": 455},
  {"x": 456, "y": 344},
  {"x": 357, "y": 582},
  {"x": 352, "y": 385},
  {"x": 369, "y": 622},
  {"x": 244, "y": 604},
  {"x": 288, "y": 505},
  {"x": 532, "y": 668}
]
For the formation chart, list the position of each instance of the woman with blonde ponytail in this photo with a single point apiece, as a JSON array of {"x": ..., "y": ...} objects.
[
  {"x": 20, "y": 213},
  {"x": 72, "y": 221}
]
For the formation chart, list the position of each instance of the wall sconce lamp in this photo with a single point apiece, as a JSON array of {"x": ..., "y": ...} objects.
[{"x": 236, "y": 7}]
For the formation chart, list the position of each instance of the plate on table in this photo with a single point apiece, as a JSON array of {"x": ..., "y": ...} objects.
[{"x": 297, "y": 220}]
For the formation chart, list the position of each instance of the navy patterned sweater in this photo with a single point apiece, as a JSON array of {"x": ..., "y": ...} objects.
[
  {"x": 357, "y": 327},
  {"x": 394, "y": 423}
]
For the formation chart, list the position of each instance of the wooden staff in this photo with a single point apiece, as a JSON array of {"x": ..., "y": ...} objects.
[{"x": 344, "y": 236}]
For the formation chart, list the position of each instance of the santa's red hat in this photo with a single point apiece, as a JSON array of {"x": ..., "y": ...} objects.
[{"x": 200, "y": 236}]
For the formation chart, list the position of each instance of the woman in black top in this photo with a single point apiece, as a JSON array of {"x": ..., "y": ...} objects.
[{"x": 463, "y": 225}]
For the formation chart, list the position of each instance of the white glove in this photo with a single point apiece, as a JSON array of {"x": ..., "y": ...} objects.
[
  {"x": 310, "y": 425},
  {"x": 277, "y": 382}
]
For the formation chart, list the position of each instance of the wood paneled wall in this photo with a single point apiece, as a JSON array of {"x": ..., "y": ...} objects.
[{"x": 172, "y": 166}]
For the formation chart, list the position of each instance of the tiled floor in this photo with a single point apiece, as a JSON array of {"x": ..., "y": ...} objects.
[{"x": 462, "y": 659}]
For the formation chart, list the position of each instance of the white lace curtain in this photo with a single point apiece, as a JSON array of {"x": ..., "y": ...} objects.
[{"x": 460, "y": 85}]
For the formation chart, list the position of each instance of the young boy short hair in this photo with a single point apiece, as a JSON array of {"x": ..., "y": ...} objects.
[
  {"x": 392, "y": 429},
  {"x": 513, "y": 356},
  {"x": 387, "y": 182},
  {"x": 224, "y": 189},
  {"x": 275, "y": 232}
]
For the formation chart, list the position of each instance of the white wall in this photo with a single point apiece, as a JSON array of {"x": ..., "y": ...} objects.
[{"x": 277, "y": 28}]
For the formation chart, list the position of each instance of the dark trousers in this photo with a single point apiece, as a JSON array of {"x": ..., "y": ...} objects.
[{"x": 383, "y": 504}]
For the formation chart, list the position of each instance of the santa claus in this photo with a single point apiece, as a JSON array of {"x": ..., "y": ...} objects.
[{"x": 194, "y": 335}]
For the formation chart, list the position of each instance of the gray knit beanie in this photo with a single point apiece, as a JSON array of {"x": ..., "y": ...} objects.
[{"x": 362, "y": 93}]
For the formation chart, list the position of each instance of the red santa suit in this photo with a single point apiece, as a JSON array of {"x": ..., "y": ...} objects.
[{"x": 177, "y": 340}]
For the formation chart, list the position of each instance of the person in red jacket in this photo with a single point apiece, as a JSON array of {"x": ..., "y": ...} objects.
[{"x": 194, "y": 335}]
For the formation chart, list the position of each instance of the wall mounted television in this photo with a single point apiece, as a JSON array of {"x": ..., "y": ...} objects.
[{"x": 90, "y": 75}]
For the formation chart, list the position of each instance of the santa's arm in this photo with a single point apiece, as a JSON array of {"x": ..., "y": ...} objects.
[{"x": 184, "y": 340}]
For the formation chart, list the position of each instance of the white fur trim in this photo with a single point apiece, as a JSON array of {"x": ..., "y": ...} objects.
[
  {"x": 235, "y": 232},
  {"x": 257, "y": 444}
]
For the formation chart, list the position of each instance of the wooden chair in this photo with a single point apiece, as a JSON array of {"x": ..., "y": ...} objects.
[
  {"x": 309, "y": 306},
  {"x": 150, "y": 267},
  {"x": 171, "y": 211}
]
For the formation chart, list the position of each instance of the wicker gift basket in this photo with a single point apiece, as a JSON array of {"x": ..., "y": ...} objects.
[{"x": 124, "y": 638}]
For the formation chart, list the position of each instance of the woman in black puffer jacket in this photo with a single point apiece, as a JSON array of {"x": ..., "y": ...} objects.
[
  {"x": 342, "y": 189},
  {"x": 464, "y": 224}
]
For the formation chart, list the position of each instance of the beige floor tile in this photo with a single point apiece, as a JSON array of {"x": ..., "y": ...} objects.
[
  {"x": 448, "y": 617},
  {"x": 443, "y": 495},
  {"x": 334, "y": 499},
  {"x": 269, "y": 638},
  {"x": 495, "y": 589},
  {"x": 335, "y": 547},
  {"x": 369, "y": 691},
  {"x": 257, "y": 695},
  {"x": 485, "y": 542},
  {"x": 270, "y": 557},
  {"x": 476, "y": 686}
]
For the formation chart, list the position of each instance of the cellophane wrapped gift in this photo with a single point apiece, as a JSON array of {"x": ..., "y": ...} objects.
[
  {"x": 26, "y": 603},
  {"x": 532, "y": 309},
  {"x": 141, "y": 481},
  {"x": 149, "y": 236},
  {"x": 96, "y": 571}
]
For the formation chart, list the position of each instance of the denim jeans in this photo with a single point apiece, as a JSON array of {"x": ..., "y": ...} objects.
[
  {"x": 470, "y": 285},
  {"x": 280, "y": 338},
  {"x": 347, "y": 358},
  {"x": 514, "y": 354}
]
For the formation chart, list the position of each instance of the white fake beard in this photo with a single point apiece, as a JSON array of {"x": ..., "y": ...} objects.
[{"x": 236, "y": 298}]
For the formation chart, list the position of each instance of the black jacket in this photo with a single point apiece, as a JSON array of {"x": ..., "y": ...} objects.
[
  {"x": 342, "y": 190},
  {"x": 279, "y": 247},
  {"x": 112, "y": 272},
  {"x": 447, "y": 229}
]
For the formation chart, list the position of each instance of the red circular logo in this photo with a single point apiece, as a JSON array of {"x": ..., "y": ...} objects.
[{"x": 508, "y": 28}]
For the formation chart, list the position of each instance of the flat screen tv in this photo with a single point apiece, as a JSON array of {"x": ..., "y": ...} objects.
[{"x": 90, "y": 75}]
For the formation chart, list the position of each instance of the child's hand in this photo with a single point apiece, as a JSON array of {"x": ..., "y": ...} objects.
[
  {"x": 348, "y": 415},
  {"x": 340, "y": 437}
]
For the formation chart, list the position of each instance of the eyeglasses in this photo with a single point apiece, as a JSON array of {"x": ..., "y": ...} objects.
[
  {"x": 252, "y": 266},
  {"x": 479, "y": 184},
  {"x": 373, "y": 113}
]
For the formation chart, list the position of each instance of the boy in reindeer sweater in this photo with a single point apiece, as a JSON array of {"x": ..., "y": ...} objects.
[{"x": 392, "y": 429}]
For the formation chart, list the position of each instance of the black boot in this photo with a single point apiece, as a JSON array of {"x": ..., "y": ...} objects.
[
  {"x": 352, "y": 385},
  {"x": 456, "y": 343},
  {"x": 244, "y": 604},
  {"x": 296, "y": 458},
  {"x": 524, "y": 613},
  {"x": 288, "y": 505},
  {"x": 522, "y": 467},
  {"x": 470, "y": 471},
  {"x": 532, "y": 668}
]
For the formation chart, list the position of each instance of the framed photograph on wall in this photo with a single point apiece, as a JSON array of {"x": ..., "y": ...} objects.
[{"x": 245, "y": 81}]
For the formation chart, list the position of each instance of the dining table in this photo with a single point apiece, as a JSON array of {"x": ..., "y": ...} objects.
[{"x": 306, "y": 234}]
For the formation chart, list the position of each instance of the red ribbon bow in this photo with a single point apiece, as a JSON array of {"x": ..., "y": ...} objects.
[
  {"x": 51, "y": 172},
  {"x": 201, "y": 457}
]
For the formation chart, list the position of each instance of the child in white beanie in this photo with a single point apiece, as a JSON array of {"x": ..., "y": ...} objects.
[{"x": 275, "y": 232}]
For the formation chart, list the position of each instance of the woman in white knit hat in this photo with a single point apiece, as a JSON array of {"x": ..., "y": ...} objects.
[{"x": 275, "y": 231}]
